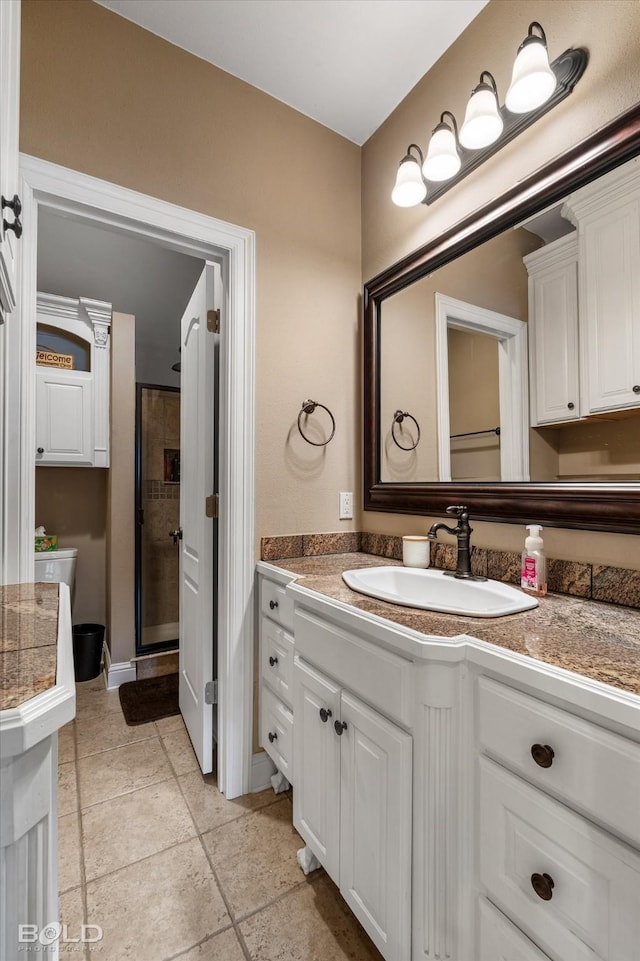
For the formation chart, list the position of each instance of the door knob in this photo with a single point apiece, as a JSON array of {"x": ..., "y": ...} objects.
[{"x": 177, "y": 535}]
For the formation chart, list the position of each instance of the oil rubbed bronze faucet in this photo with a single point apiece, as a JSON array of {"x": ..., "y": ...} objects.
[{"x": 463, "y": 532}]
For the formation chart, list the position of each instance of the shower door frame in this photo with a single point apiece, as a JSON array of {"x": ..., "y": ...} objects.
[{"x": 159, "y": 646}]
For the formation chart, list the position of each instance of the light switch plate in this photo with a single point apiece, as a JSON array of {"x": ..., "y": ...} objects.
[{"x": 346, "y": 505}]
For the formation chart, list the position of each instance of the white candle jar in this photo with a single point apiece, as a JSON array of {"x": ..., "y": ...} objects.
[{"x": 415, "y": 551}]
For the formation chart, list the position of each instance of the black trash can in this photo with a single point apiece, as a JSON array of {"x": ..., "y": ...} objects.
[{"x": 87, "y": 650}]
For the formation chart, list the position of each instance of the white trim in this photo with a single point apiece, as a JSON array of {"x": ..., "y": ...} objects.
[
  {"x": 87, "y": 198},
  {"x": 511, "y": 334},
  {"x": 116, "y": 673},
  {"x": 262, "y": 770}
]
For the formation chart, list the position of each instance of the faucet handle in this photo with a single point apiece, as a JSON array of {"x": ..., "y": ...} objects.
[{"x": 458, "y": 511}]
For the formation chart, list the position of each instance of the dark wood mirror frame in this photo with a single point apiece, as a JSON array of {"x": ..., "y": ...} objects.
[{"x": 591, "y": 506}]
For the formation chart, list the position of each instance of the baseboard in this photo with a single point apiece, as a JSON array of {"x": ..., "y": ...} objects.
[
  {"x": 262, "y": 767},
  {"x": 116, "y": 673}
]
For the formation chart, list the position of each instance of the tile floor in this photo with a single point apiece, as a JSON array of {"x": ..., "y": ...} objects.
[{"x": 153, "y": 853}]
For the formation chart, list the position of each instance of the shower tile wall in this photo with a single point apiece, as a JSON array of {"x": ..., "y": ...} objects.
[{"x": 161, "y": 504}]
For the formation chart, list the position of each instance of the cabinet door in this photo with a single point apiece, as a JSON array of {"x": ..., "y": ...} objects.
[
  {"x": 316, "y": 760},
  {"x": 9, "y": 111},
  {"x": 553, "y": 338},
  {"x": 610, "y": 308},
  {"x": 499, "y": 940},
  {"x": 64, "y": 418},
  {"x": 375, "y": 826}
]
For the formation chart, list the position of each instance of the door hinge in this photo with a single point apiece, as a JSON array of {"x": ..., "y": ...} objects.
[
  {"x": 211, "y": 505},
  {"x": 213, "y": 321},
  {"x": 211, "y": 692}
]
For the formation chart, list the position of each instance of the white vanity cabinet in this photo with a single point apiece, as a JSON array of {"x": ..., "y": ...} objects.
[
  {"x": 276, "y": 671},
  {"x": 72, "y": 404},
  {"x": 558, "y": 800},
  {"x": 352, "y": 800},
  {"x": 553, "y": 332}
]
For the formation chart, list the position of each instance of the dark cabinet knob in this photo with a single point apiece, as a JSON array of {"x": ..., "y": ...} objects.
[
  {"x": 636, "y": 389},
  {"x": 41, "y": 450},
  {"x": 543, "y": 885},
  {"x": 272, "y": 737},
  {"x": 325, "y": 714},
  {"x": 339, "y": 727},
  {"x": 273, "y": 661},
  {"x": 542, "y": 754},
  {"x": 571, "y": 405},
  {"x": 273, "y": 605},
  {"x": 16, "y": 206}
]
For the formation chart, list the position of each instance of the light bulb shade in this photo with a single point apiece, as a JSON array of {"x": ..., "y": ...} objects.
[
  {"x": 410, "y": 189},
  {"x": 482, "y": 121},
  {"x": 443, "y": 160},
  {"x": 533, "y": 81}
]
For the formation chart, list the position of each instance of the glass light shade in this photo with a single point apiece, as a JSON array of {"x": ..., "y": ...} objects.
[
  {"x": 482, "y": 121},
  {"x": 410, "y": 188},
  {"x": 443, "y": 160},
  {"x": 533, "y": 81}
]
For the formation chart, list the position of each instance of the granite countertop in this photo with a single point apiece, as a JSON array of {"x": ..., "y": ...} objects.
[
  {"x": 28, "y": 641},
  {"x": 597, "y": 640}
]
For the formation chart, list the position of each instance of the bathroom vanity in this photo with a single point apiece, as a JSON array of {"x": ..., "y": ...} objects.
[
  {"x": 37, "y": 698},
  {"x": 472, "y": 785}
]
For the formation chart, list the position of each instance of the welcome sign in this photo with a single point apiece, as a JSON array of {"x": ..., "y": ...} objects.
[{"x": 49, "y": 358}]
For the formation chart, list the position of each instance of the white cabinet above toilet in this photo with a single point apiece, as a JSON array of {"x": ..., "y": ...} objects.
[{"x": 72, "y": 381}]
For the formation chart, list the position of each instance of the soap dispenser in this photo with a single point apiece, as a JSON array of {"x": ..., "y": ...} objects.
[{"x": 533, "y": 578}]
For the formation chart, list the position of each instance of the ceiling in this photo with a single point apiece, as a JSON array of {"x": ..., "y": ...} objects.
[
  {"x": 79, "y": 259},
  {"x": 345, "y": 63}
]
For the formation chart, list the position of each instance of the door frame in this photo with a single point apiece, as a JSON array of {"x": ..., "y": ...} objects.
[{"x": 87, "y": 198}]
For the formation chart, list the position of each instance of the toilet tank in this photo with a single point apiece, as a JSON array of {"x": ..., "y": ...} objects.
[{"x": 57, "y": 566}]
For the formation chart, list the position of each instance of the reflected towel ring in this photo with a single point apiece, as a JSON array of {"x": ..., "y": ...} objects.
[
  {"x": 398, "y": 417},
  {"x": 308, "y": 407}
]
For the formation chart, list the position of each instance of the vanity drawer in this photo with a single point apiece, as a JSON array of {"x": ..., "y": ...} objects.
[
  {"x": 499, "y": 940},
  {"x": 276, "y": 659},
  {"x": 593, "y": 770},
  {"x": 588, "y": 883},
  {"x": 378, "y": 676},
  {"x": 276, "y": 732},
  {"x": 275, "y": 603}
]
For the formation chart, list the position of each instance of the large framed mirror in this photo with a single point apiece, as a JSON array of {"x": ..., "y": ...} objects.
[{"x": 498, "y": 372}]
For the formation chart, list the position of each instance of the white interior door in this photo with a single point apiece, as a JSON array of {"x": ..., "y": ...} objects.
[{"x": 197, "y": 473}]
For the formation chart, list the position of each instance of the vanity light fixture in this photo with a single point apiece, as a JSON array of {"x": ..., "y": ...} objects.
[
  {"x": 536, "y": 87},
  {"x": 443, "y": 159},
  {"x": 482, "y": 121}
]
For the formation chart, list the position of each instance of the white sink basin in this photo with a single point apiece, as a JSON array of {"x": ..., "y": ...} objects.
[{"x": 437, "y": 591}]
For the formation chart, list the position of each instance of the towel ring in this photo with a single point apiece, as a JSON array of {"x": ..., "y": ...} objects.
[
  {"x": 398, "y": 417},
  {"x": 308, "y": 407}
]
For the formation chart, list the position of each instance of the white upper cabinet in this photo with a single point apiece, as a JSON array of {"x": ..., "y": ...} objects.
[
  {"x": 553, "y": 332},
  {"x": 72, "y": 382},
  {"x": 607, "y": 217},
  {"x": 9, "y": 121}
]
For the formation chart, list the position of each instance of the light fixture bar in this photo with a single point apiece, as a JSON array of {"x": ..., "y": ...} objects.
[{"x": 568, "y": 68}]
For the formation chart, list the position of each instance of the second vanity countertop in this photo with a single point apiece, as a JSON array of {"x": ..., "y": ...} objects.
[
  {"x": 28, "y": 641},
  {"x": 599, "y": 641}
]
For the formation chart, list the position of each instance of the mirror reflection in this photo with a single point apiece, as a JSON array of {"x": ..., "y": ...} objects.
[{"x": 562, "y": 406}]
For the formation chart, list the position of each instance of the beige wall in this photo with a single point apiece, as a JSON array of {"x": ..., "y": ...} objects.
[
  {"x": 105, "y": 97},
  {"x": 610, "y": 85},
  {"x": 120, "y": 547},
  {"x": 72, "y": 503}
]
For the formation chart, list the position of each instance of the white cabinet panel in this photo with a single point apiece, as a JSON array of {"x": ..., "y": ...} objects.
[
  {"x": 64, "y": 427},
  {"x": 589, "y": 909},
  {"x": 375, "y": 821},
  {"x": 276, "y": 732},
  {"x": 9, "y": 122},
  {"x": 499, "y": 940},
  {"x": 316, "y": 759},
  {"x": 276, "y": 659}
]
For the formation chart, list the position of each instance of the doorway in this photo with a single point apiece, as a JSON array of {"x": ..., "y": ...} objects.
[
  {"x": 157, "y": 589},
  {"x": 87, "y": 199}
]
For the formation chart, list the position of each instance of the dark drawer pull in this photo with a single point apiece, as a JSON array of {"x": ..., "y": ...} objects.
[
  {"x": 272, "y": 737},
  {"x": 571, "y": 405},
  {"x": 542, "y": 754},
  {"x": 339, "y": 727},
  {"x": 543, "y": 885},
  {"x": 325, "y": 714},
  {"x": 273, "y": 605},
  {"x": 273, "y": 661},
  {"x": 636, "y": 389}
]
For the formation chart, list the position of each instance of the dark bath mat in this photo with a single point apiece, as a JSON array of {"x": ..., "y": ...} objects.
[{"x": 149, "y": 699}]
